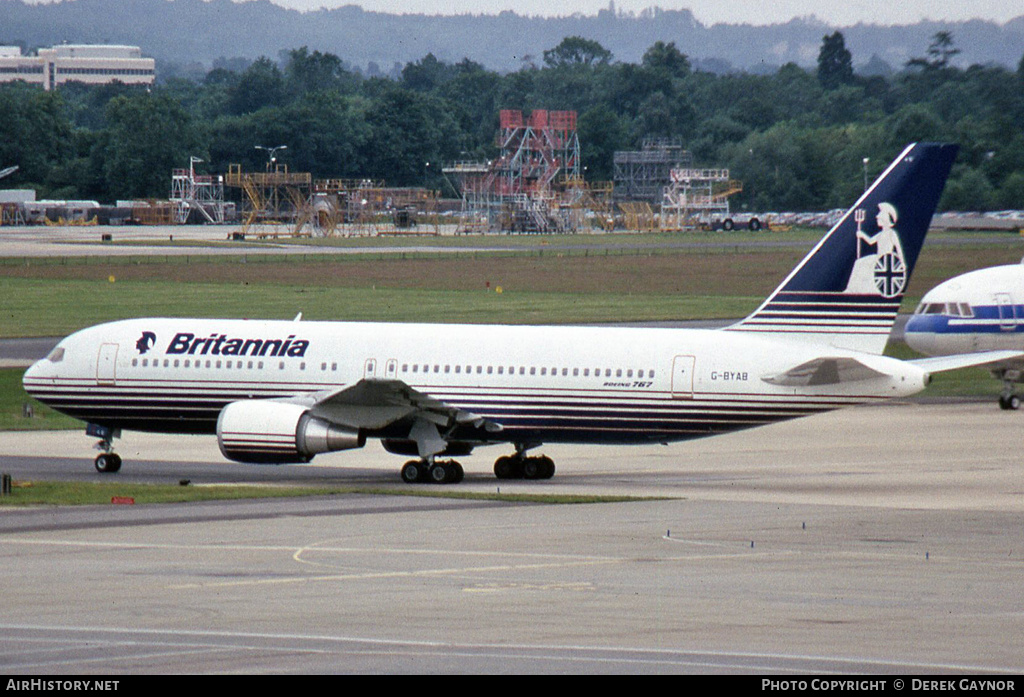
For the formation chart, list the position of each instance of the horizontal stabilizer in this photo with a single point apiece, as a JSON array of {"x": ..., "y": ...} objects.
[
  {"x": 938, "y": 364},
  {"x": 825, "y": 371}
]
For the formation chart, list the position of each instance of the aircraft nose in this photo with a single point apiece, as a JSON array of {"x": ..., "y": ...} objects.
[
  {"x": 918, "y": 334},
  {"x": 35, "y": 376}
]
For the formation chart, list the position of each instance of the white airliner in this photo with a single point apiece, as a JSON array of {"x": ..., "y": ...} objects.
[
  {"x": 976, "y": 311},
  {"x": 283, "y": 392}
]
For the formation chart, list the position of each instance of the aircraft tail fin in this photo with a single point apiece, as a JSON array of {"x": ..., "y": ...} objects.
[{"x": 847, "y": 290}]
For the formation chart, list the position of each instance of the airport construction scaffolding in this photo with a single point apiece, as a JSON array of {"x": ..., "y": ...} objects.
[
  {"x": 272, "y": 200},
  {"x": 368, "y": 207},
  {"x": 535, "y": 183},
  {"x": 282, "y": 203},
  {"x": 203, "y": 194},
  {"x": 696, "y": 198},
  {"x": 642, "y": 175}
]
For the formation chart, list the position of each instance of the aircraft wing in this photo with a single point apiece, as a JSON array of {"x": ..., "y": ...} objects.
[
  {"x": 938, "y": 364},
  {"x": 825, "y": 371},
  {"x": 372, "y": 404}
]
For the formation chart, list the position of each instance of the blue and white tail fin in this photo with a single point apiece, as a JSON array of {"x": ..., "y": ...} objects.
[{"x": 847, "y": 290}]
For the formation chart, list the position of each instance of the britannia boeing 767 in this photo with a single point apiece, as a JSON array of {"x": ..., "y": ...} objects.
[{"x": 277, "y": 392}]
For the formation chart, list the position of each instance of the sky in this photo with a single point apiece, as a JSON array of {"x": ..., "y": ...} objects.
[{"x": 845, "y": 13}]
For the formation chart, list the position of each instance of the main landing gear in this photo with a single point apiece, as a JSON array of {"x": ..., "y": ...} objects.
[
  {"x": 521, "y": 466},
  {"x": 107, "y": 462},
  {"x": 430, "y": 471}
]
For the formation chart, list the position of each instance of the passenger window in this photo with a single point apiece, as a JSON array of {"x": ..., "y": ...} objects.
[
  {"x": 135, "y": 361},
  {"x": 543, "y": 371}
]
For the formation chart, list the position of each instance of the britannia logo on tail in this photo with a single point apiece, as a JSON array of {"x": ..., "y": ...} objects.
[{"x": 880, "y": 268}]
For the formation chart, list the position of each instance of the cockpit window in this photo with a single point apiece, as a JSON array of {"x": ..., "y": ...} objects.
[
  {"x": 56, "y": 355},
  {"x": 948, "y": 309}
]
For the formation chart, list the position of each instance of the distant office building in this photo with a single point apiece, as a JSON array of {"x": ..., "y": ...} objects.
[{"x": 93, "y": 65}]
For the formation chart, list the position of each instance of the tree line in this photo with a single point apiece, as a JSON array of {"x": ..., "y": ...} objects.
[{"x": 797, "y": 138}]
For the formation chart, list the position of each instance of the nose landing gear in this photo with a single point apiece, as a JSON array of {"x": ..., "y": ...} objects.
[{"x": 107, "y": 462}]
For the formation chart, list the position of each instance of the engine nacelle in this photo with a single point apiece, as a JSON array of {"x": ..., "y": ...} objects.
[{"x": 263, "y": 431}]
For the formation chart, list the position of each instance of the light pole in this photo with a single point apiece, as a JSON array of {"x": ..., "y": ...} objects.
[
  {"x": 271, "y": 154},
  {"x": 866, "y": 161}
]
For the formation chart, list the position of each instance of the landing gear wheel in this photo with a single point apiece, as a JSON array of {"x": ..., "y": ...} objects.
[
  {"x": 547, "y": 467},
  {"x": 539, "y": 467},
  {"x": 1009, "y": 402},
  {"x": 412, "y": 473},
  {"x": 505, "y": 467},
  {"x": 440, "y": 473},
  {"x": 107, "y": 463}
]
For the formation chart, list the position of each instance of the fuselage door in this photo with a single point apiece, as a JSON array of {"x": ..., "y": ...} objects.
[
  {"x": 682, "y": 377},
  {"x": 370, "y": 368},
  {"x": 106, "y": 365},
  {"x": 1007, "y": 312},
  {"x": 391, "y": 369}
]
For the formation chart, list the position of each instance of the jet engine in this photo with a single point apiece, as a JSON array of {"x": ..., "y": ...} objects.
[{"x": 267, "y": 432}]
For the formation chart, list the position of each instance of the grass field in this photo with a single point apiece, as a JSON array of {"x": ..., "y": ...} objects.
[
  {"x": 91, "y": 493},
  {"x": 543, "y": 279}
]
